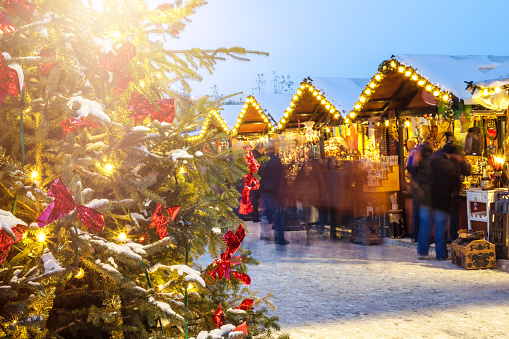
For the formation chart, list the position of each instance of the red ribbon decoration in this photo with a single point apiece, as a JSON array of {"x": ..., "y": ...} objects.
[
  {"x": 247, "y": 304},
  {"x": 159, "y": 221},
  {"x": 123, "y": 81},
  {"x": 142, "y": 107},
  {"x": 20, "y": 8},
  {"x": 219, "y": 317},
  {"x": 114, "y": 62},
  {"x": 241, "y": 328},
  {"x": 6, "y": 240},
  {"x": 253, "y": 165},
  {"x": 47, "y": 67},
  {"x": 9, "y": 80},
  {"x": 224, "y": 263},
  {"x": 64, "y": 204},
  {"x": 73, "y": 124}
]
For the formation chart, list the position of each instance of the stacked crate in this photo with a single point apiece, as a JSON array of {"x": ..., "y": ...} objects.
[{"x": 498, "y": 225}]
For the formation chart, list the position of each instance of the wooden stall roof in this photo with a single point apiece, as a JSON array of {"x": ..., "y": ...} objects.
[
  {"x": 321, "y": 100},
  {"x": 418, "y": 84},
  {"x": 213, "y": 120},
  {"x": 255, "y": 119}
]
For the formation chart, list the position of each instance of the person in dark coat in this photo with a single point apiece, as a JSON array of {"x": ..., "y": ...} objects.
[
  {"x": 439, "y": 186},
  {"x": 255, "y": 194},
  {"x": 462, "y": 169},
  {"x": 418, "y": 161},
  {"x": 273, "y": 190}
]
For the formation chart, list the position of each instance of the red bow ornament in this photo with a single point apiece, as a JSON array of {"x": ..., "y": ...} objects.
[
  {"x": 223, "y": 264},
  {"x": 11, "y": 231},
  {"x": 114, "y": 62},
  {"x": 142, "y": 107},
  {"x": 247, "y": 304},
  {"x": 159, "y": 221},
  {"x": 11, "y": 78},
  {"x": 64, "y": 204},
  {"x": 123, "y": 81},
  {"x": 74, "y": 124},
  {"x": 47, "y": 67},
  {"x": 21, "y": 8},
  {"x": 219, "y": 317},
  {"x": 250, "y": 183}
]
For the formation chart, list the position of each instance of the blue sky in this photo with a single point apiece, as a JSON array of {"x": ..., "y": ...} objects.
[{"x": 337, "y": 37}]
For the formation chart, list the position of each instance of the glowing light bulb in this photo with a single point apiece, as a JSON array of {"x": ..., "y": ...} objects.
[
  {"x": 378, "y": 77},
  {"x": 299, "y": 92},
  {"x": 372, "y": 85},
  {"x": 323, "y": 101},
  {"x": 319, "y": 97},
  {"x": 408, "y": 73},
  {"x": 414, "y": 77},
  {"x": 347, "y": 120},
  {"x": 190, "y": 287},
  {"x": 115, "y": 34},
  {"x": 497, "y": 89},
  {"x": 41, "y": 237},
  {"x": 160, "y": 287},
  {"x": 327, "y": 106},
  {"x": 357, "y": 106},
  {"x": 362, "y": 99},
  {"x": 367, "y": 91},
  {"x": 486, "y": 91},
  {"x": 315, "y": 93},
  {"x": 122, "y": 236},
  {"x": 80, "y": 274},
  {"x": 436, "y": 93},
  {"x": 352, "y": 115},
  {"x": 407, "y": 123},
  {"x": 294, "y": 98},
  {"x": 109, "y": 168},
  {"x": 279, "y": 126},
  {"x": 142, "y": 83},
  {"x": 34, "y": 175},
  {"x": 428, "y": 88},
  {"x": 401, "y": 69},
  {"x": 182, "y": 170},
  {"x": 336, "y": 116},
  {"x": 393, "y": 64},
  {"x": 445, "y": 97},
  {"x": 421, "y": 83},
  {"x": 386, "y": 123}
]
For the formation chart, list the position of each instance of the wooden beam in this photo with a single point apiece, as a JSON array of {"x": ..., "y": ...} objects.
[{"x": 253, "y": 123}]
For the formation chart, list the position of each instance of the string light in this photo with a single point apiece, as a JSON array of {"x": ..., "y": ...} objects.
[
  {"x": 109, "y": 168},
  {"x": 41, "y": 237},
  {"x": 212, "y": 114},
  {"x": 122, "y": 237},
  {"x": 80, "y": 274},
  {"x": 34, "y": 175},
  {"x": 321, "y": 98},
  {"x": 251, "y": 101}
]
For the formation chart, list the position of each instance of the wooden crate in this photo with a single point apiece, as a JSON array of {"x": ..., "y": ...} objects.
[
  {"x": 473, "y": 254},
  {"x": 499, "y": 233},
  {"x": 366, "y": 231}
]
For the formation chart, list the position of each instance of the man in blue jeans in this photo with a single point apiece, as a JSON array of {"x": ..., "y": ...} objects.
[{"x": 439, "y": 186}]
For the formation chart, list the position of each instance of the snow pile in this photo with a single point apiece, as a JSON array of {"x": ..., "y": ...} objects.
[
  {"x": 8, "y": 220},
  {"x": 88, "y": 107},
  {"x": 105, "y": 44},
  {"x": 107, "y": 267},
  {"x": 192, "y": 275},
  {"x": 97, "y": 203},
  {"x": 165, "y": 308},
  {"x": 216, "y": 230},
  {"x": 119, "y": 249},
  {"x": 198, "y": 153},
  {"x": 218, "y": 333},
  {"x": 141, "y": 129},
  {"x": 180, "y": 154},
  {"x": 51, "y": 265},
  {"x": 17, "y": 68}
]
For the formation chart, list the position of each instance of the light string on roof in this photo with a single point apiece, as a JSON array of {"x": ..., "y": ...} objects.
[
  {"x": 251, "y": 101},
  {"x": 486, "y": 91},
  {"x": 205, "y": 127},
  {"x": 318, "y": 94},
  {"x": 442, "y": 97}
]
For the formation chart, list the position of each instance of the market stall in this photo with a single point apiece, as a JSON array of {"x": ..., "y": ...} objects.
[
  {"x": 411, "y": 99},
  {"x": 256, "y": 121}
]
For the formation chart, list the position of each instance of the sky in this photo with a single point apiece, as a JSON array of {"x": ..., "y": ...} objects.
[{"x": 337, "y": 38}]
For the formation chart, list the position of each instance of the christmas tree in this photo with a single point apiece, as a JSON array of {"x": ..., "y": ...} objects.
[{"x": 105, "y": 200}]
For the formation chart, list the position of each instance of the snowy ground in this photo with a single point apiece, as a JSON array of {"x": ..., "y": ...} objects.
[{"x": 344, "y": 290}]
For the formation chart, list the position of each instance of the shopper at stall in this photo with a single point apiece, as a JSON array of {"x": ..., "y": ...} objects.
[
  {"x": 273, "y": 190},
  {"x": 417, "y": 166},
  {"x": 439, "y": 186},
  {"x": 332, "y": 182},
  {"x": 255, "y": 195},
  {"x": 463, "y": 168},
  {"x": 309, "y": 190}
]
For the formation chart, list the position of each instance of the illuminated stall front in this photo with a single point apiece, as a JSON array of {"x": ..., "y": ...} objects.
[
  {"x": 414, "y": 99},
  {"x": 255, "y": 121}
]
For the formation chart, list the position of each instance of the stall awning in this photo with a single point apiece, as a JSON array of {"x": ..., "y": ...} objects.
[
  {"x": 321, "y": 99},
  {"x": 494, "y": 92},
  {"x": 420, "y": 83},
  {"x": 255, "y": 119}
]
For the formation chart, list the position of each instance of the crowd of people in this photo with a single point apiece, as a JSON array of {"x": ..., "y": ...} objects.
[{"x": 323, "y": 192}]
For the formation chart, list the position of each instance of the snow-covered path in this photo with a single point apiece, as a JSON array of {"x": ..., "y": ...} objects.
[{"x": 344, "y": 290}]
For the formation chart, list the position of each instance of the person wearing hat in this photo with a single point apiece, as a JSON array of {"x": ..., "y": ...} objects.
[{"x": 439, "y": 187}]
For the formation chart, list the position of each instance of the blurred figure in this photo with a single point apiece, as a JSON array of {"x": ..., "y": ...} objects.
[
  {"x": 273, "y": 190},
  {"x": 439, "y": 187},
  {"x": 255, "y": 195},
  {"x": 463, "y": 168},
  {"x": 417, "y": 166},
  {"x": 310, "y": 191},
  {"x": 332, "y": 182}
]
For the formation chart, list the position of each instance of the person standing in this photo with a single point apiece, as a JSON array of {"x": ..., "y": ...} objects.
[
  {"x": 255, "y": 195},
  {"x": 439, "y": 186},
  {"x": 273, "y": 190}
]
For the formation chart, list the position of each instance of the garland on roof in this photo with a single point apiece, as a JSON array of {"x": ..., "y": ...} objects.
[{"x": 251, "y": 101}]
